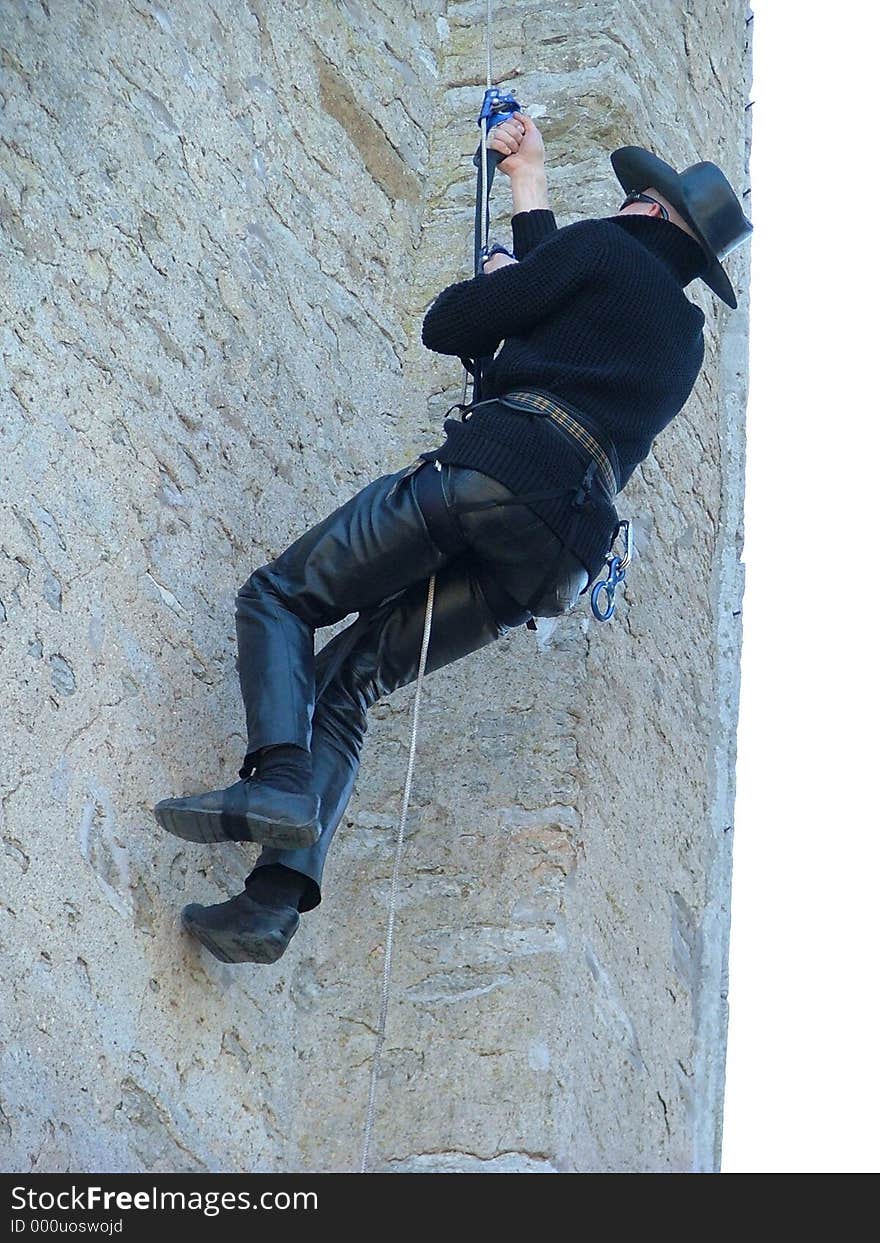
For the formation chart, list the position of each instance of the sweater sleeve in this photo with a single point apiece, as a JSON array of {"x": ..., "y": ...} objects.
[
  {"x": 529, "y": 228},
  {"x": 472, "y": 317}
]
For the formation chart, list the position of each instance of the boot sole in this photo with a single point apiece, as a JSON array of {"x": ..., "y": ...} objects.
[
  {"x": 238, "y": 946},
  {"x": 215, "y": 826}
]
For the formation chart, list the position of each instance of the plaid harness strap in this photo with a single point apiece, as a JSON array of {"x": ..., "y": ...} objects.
[{"x": 584, "y": 431}]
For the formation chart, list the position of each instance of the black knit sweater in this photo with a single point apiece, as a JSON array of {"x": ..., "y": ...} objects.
[{"x": 593, "y": 313}]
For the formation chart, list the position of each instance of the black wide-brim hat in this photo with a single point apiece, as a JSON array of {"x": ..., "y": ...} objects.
[{"x": 703, "y": 196}]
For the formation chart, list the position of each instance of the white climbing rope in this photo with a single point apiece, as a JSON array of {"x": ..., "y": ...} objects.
[
  {"x": 488, "y": 43},
  {"x": 423, "y": 657},
  {"x": 395, "y": 878}
]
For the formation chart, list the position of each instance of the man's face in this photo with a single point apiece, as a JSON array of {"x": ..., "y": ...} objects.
[
  {"x": 652, "y": 209},
  {"x": 647, "y": 209}
]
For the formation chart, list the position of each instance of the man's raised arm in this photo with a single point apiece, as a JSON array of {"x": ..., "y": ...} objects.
[{"x": 471, "y": 317}]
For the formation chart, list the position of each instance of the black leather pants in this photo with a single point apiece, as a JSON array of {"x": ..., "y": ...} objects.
[{"x": 373, "y": 556}]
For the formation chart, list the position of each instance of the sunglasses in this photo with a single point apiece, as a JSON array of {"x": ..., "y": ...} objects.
[{"x": 643, "y": 198}]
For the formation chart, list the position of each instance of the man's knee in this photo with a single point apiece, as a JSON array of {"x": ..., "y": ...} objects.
[
  {"x": 263, "y": 585},
  {"x": 250, "y": 588}
]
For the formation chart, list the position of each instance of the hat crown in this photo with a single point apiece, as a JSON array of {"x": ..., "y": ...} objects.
[{"x": 712, "y": 204}]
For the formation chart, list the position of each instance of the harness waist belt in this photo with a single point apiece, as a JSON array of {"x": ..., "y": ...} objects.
[{"x": 586, "y": 432}]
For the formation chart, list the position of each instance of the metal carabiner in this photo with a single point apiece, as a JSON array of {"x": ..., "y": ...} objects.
[
  {"x": 616, "y": 573},
  {"x": 624, "y": 527},
  {"x": 609, "y": 585}
]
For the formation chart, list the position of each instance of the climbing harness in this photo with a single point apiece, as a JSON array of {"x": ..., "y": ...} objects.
[
  {"x": 602, "y": 471},
  {"x": 601, "y": 478}
]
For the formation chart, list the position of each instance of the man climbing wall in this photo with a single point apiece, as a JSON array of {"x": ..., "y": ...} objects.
[{"x": 513, "y": 514}]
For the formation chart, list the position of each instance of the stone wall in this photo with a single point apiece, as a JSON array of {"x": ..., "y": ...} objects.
[{"x": 222, "y": 224}]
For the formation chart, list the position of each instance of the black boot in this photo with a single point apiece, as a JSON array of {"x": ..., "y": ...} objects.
[
  {"x": 254, "y": 926},
  {"x": 248, "y": 811},
  {"x": 242, "y": 930}
]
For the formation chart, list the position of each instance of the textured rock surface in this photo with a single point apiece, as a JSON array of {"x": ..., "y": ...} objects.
[{"x": 221, "y": 225}]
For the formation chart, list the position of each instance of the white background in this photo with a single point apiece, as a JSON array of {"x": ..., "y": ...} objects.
[{"x": 803, "y": 1042}]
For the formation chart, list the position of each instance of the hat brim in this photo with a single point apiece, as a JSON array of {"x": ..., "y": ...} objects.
[{"x": 636, "y": 169}]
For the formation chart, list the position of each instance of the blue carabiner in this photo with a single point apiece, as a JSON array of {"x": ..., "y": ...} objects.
[
  {"x": 609, "y": 585},
  {"x": 497, "y": 106}
]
